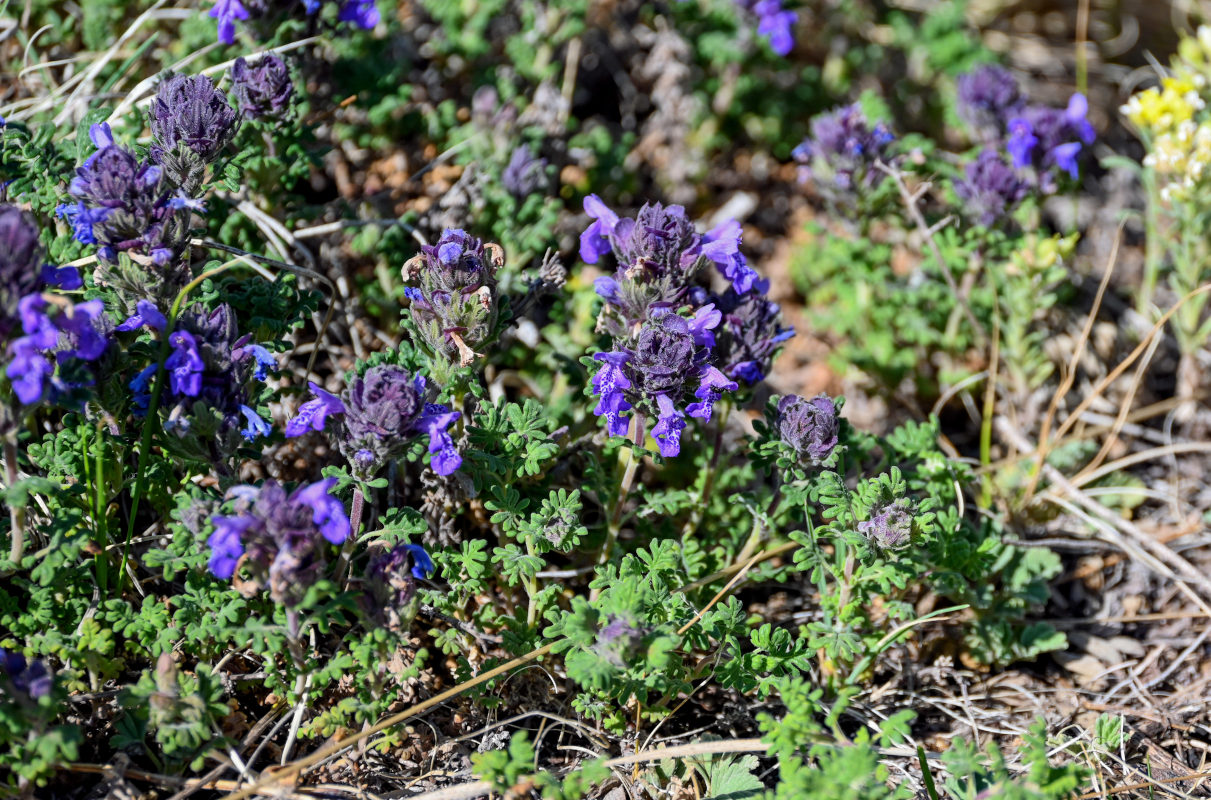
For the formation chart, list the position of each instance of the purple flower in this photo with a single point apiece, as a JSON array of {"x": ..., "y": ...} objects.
[
  {"x": 595, "y": 241},
  {"x": 991, "y": 189},
  {"x": 422, "y": 565},
  {"x": 147, "y": 314},
  {"x": 711, "y": 385},
  {"x": 256, "y": 425},
  {"x": 226, "y": 544},
  {"x": 1022, "y": 141},
  {"x": 1047, "y": 138},
  {"x": 263, "y": 358},
  {"x": 77, "y": 333},
  {"x": 776, "y": 24},
  {"x": 443, "y": 456},
  {"x": 280, "y": 537},
  {"x": 668, "y": 427},
  {"x": 810, "y": 427},
  {"x": 314, "y": 413},
  {"x": 31, "y": 679},
  {"x": 988, "y": 98},
  {"x": 262, "y": 90},
  {"x": 66, "y": 278},
  {"x": 227, "y": 12},
  {"x": 184, "y": 364},
  {"x": 391, "y": 578},
  {"x": 1065, "y": 157},
  {"x": 722, "y": 247},
  {"x": 889, "y": 525},
  {"x": 363, "y": 13},
  {"x": 28, "y": 370},
  {"x": 327, "y": 511}
]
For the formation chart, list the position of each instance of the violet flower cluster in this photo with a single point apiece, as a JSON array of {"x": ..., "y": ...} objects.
[
  {"x": 57, "y": 334},
  {"x": 209, "y": 362},
  {"x": 808, "y": 426},
  {"x": 1047, "y": 141},
  {"x": 889, "y": 525},
  {"x": 525, "y": 173},
  {"x": 279, "y": 536},
  {"x": 991, "y": 188},
  {"x": 773, "y": 22},
  {"x": 677, "y": 346},
  {"x": 362, "y": 13},
  {"x": 191, "y": 125},
  {"x": 843, "y": 149},
  {"x": 123, "y": 205},
  {"x": 378, "y": 416},
  {"x": 59, "y": 338},
  {"x": 455, "y": 306},
  {"x": 263, "y": 89}
]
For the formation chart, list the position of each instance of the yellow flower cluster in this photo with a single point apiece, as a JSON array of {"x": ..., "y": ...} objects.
[
  {"x": 1182, "y": 158},
  {"x": 1160, "y": 111},
  {"x": 1193, "y": 59}
]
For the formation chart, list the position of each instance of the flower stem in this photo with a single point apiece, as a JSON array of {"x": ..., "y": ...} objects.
[
  {"x": 712, "y": 471},
  {"x": 16, "y": 513},
  {"x": 624, "y": 489}
]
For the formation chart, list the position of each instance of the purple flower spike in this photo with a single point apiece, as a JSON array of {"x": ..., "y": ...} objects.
[
  {"x": 809, "y": 426},
  {"x": 991, "y": 189},
  {"x": 314, "y": 413},
  {"x": 279, "y": 539},
  {"x": 263, "y": 89},
  {"x": 21, "y": 263},
  {"x": 890, "y": 524},
  {"x": 988, "y": 98}
]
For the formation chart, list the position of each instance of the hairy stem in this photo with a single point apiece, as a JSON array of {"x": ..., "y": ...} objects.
[
  {"x": 355, "y": 523},
  {"x": 624, "y": 489}
]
